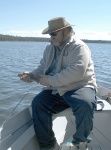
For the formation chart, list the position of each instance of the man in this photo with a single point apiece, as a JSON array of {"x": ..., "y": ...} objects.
[{"x": 67, "y": 71}]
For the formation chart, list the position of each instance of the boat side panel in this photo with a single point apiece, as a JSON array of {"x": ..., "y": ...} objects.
[{"x": 15, "y": 123}]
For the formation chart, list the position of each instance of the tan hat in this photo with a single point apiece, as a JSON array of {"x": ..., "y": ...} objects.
[{"x": 56, "y": 24}]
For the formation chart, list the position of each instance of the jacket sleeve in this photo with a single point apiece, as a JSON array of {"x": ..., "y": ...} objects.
[{"x": 74, "y": 72}]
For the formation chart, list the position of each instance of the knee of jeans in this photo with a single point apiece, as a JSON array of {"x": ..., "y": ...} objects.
[
  {"x": 35, "y": 102},
  {"x": 86, "y": 105}
]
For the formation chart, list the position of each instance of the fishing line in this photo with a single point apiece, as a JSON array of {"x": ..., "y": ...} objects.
[
  {"x": 14, "y": 131},
  {"x": 14, "y": 109}
]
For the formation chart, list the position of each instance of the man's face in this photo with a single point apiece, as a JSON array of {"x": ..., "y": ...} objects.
[{"x": 57, "y": 37}]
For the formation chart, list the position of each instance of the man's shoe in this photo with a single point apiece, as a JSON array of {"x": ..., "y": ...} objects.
[
  {"x": 74, "y": 146},
  {"x": 55, "y": 147},
  {"x": 80, "y": 146}
]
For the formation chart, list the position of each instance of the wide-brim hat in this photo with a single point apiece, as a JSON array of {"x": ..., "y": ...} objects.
[{"x": 56, "y": 24}]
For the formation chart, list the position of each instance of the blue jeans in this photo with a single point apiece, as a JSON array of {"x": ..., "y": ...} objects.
[{"x": 45, "y": 104}]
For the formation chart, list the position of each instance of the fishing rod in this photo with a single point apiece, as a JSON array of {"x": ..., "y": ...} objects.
[{"x": 21, "y": 76}]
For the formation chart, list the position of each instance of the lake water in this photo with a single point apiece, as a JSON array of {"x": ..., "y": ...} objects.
[{"x": 17, "y": 57}]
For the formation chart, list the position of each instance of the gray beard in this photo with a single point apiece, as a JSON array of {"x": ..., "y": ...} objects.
[{"x": 55, "y": 43}]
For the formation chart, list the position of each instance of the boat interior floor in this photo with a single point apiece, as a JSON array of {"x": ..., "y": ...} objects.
[{"x": 101, "y": 133}]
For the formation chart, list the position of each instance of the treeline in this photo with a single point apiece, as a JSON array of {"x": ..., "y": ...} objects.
[
  {"x": 41, "y": 39},
  {"x": 19, "y": 38},
  {"x": 96, "y": 41}
]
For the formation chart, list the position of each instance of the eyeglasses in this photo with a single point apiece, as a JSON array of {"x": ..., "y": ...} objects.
[{"x": 54, "y": 33}]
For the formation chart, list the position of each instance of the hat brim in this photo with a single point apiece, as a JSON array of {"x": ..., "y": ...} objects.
[{"x": 47, "y": 31}]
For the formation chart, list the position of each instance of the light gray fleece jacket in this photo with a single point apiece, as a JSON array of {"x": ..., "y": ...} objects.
[{"x": 75, "y": 68}]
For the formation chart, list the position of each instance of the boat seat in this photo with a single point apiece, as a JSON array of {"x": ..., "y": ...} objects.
[
  {"x": 66, "y": 112},
  {"x": 106, "y": 107}
]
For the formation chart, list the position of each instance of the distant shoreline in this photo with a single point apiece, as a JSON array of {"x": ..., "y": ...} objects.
[{"x": 41, "y": 39}]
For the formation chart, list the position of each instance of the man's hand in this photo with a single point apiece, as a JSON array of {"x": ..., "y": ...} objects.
[
  {"x": 26, "y": 77},
  {"x": 44, "y": 80}
]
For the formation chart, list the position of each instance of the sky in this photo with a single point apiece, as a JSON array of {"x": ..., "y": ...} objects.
[{"x": 92, "y": 18}]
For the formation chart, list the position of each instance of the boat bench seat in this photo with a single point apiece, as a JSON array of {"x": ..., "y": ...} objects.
[{"x": 106, "y": 107}]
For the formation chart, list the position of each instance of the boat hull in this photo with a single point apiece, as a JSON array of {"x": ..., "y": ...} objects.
[{"x": 18, "y": 132}]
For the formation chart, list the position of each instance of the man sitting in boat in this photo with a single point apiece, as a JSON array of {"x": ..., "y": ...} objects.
[{"x": 67, "y": 72}]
